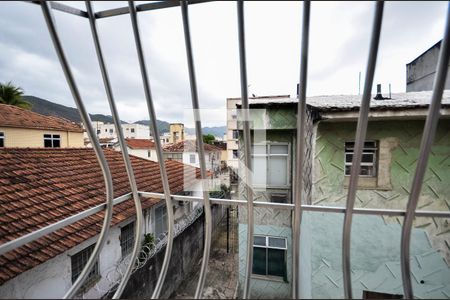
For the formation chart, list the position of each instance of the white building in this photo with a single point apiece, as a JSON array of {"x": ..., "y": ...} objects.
[
  {"x": 143, "y": 148},
  {"x": 130, "y": 131}
]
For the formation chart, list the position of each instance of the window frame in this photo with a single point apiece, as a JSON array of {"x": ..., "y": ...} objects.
[
  {"x": 84, "y": 255},
  {"x": 373, "y": 151},
  {"x": 267, "y": 247},
  {"x": 235, "y": 134},
  {"x": 127, "y": 242},
  {"x": 2, "y": 139},
  {"x": 268, "y": 155},
  {"x": 163, "y": 221},
  {"x": 52, "y": 137},
  {"x": 190, "y": 159}
]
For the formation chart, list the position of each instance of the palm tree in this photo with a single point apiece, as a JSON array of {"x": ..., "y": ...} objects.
[{"x": 12, "y": 95}]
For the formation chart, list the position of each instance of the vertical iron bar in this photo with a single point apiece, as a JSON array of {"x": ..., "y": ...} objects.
[
  {"x": 359, "y": 144},
  {"x": 123, "y": 147},
  {"x": 201, "y": 152},
  {"x": 50, "y": 21},
  {"x": 428, "y": 135},
  {"x": 300, "y": 150},
  {"x": 159, "y": 152},
  {"x": 247, "y": 147}
]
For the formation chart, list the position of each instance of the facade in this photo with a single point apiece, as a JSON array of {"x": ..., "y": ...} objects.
[
  {"x": 143, "y": 148},
  {"x": 72, "y": 182},
  {"x": 232, "y": 133},
  {"x": 186, "y": 152},
  {"x": 130, "y": 131},
  {"x": 23, "y": 128},
  {"x": 176, "y": 133},
  {"x": 421, "y": 71},
  {"x": 389, "y": 158}
]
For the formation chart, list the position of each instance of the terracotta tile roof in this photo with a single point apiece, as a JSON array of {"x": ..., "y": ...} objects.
[
  {"x": 140, "y": 144},
  {"x": 189, "y": 146},
  {"x": 13, "y": 116},
  {"x": 40, "y": 186}
]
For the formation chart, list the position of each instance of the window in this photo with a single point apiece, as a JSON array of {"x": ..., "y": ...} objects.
[
  {"x": 160, "y": 221},
  {"x": 127, "y": 239},
  {"x": 368, "y": 161},
  {"x": 192, "y": 158},
  {"x": 279, "y": 197},
  {"x": 269, "y": 256},
  {"x": 270, "y": 165},
  {"x": 174, "y": 156},
  {"x": 2, "y": 139},
  {"x": 111, "y": 130},
  {"x": 235, "y": 154},
  {"x": 98, "y": 131},
  {"x": 106, "y": 130},
  {"x": 79, "y": 260},
  {"x": 149, "y": 153},
  {"x": 132, "y": 130},
  {"x": 236, "y": 134},
  {"x": 52, "y": 141}
]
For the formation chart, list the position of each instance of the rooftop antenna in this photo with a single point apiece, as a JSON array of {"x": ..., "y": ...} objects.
[
  {"x": 390, "y": 91},
  {"x": 359, "y": 84}
]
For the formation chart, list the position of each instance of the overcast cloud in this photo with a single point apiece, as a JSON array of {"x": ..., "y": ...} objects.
[{"x": 340, "y": 35}]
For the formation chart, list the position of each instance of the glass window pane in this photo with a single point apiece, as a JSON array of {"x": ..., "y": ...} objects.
[
  {"x": 276, "y": 264},
  {"x": 259, "y": 170},
  {"x": 259, "y": 240},
  {"x": 367, "y": 157},
  {"x": 348, "y": 157},
  {"x": 56, "y": 143},
  {"x": 47, "y": 136},
  {"x": 47, "y": 143},
  {"x": 277, "y": 242},
  {"x": 259, "y": 261},
  {"x": 277, "y": 171},
  {"x": 259, "y": 149},
  {"x": 367, "y": 171},
  {"x": 278, "y": 149}
]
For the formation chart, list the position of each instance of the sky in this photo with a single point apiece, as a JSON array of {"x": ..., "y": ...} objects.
[{"x": 339, "y": 43}]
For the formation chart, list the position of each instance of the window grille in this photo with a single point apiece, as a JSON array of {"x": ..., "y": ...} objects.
[
  {"x": 79, "y": 260},
  {"x": 91, "y": 265},
  {"x": 127, "y": 239},
  {"x": 368, "y": 159},
  {"x": 52, "y": 141}
]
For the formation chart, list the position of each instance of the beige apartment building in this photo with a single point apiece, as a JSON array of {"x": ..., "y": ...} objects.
[
  {"x": 26, "y": 129},
  {"x": 232, "y": 135}
]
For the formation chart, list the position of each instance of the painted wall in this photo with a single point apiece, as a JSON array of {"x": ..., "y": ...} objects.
[
  {"x": 375, "y": 259},
  {"x": 25, "y": 137},
  {"x": 212, "y": 160},
  {"x": 399, "y": 147}
]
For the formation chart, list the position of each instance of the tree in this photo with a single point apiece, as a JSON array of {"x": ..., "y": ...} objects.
[
  {"x": 13, "y": 95},
  {"x": 208, "y": 138}
]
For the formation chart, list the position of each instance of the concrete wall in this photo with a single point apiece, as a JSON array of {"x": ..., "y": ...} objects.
[
  {"x": 25, "y": 137},
  {"x": 421, "y": 72},
  {"x": 399, "y": 147}
]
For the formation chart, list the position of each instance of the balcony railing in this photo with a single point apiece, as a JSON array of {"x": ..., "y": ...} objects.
[{"x": 296, "y": 207}]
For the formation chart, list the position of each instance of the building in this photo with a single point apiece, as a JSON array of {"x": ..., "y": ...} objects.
[
  {"x": 232, "y": 133},
  {"x": 23, "y": 128},
  {"x": 390, "y": 156},
  {"x": 421, "y": 71},
  {"x": 187, "y": 153},
  {"x": 176, "y": 133},
  {"x": 143, "y": 148},
  {"x": 70, "y": 181},
  {"x": 130, "y": 131}
]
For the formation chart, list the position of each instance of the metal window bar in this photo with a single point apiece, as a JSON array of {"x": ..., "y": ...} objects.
[
  {"x": 428, "y": 135},
  {"x": 159, "y": 153},
  {"x": 409, "y": 213},
  {"x": 124, "y": 150},
  {"x": 247, "y": 147},
  {"x": 201, "y": 150},
  {"x": 49, "y": 19},
  {"x": 359, "y": 144},
  {"x": 300, "y": 151}
]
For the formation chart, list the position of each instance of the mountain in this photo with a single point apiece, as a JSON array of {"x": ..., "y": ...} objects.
[{"x": 48, "y": 108}]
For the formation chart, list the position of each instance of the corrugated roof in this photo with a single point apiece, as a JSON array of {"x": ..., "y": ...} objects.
[
  {"x": 336, "y": 103},
  {"x": 40, "y": 186},
  {"x": 13, "y": 116}
]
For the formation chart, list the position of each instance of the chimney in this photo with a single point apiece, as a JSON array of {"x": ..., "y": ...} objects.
[{"x": 379, "y": 96}]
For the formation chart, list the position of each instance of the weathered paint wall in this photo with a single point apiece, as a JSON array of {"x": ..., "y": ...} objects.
[
  {"x": 375, "y": 258},
  {"x": 25, "y": 137},
  {"x": 399, "y": 148},
  {"x": 265, "y": 289}
]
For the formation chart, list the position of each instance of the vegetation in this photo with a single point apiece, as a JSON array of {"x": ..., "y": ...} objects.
[
  {"x": 223, "y": 193},
  {"x": 13, "y": 95},
  {"x": 208, "y": 138},
  {"x": 147, "y": 244}
]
